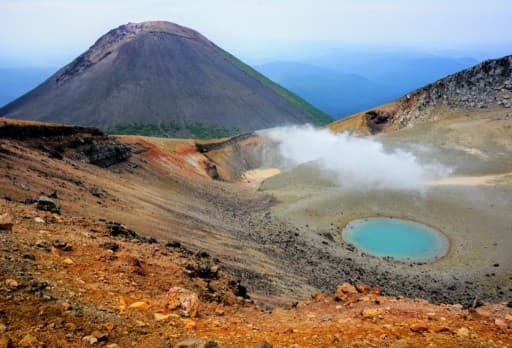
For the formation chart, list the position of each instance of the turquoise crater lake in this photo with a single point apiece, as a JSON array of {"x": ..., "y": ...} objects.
[{"x": 400, "y": 239}]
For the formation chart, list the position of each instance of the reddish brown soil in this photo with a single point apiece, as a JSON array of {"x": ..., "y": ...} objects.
[
  {"x": 95, "y": 290},
  {"x": 59, "y": 282}
]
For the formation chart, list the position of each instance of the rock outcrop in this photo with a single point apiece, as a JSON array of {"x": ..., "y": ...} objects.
[
  {"x": 84, "y": 144},
  {"x": 487, "y": 85}
]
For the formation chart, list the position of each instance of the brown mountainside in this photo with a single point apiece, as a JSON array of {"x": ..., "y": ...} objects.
[{"x": 145, "y": 248}]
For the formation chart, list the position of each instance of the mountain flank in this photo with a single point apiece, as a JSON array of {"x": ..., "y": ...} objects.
[
  {"x": 159, "y": 78},
  {"x": 483, "y": 89}
]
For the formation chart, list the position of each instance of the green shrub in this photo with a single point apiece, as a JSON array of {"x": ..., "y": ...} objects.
[{"x": 172, "y": 130}]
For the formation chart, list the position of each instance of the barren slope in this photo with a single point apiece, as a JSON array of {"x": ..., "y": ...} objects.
[
  {"x": 485, "y": 86},
  {"x": 75, "y": 278},
  {"x": 161, "y": 78}
]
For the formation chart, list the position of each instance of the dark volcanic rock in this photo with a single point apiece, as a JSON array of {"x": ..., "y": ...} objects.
[
  {"x": 84, "y": 144},
  {"x": 204, "y": 270},
  {"x": 486, "y": 85},
  {"x": 173, "y": 244},
  {"x": 120, "y": 230},
  {"x": 474, "y": 87},
  {"x": 110, "y": 246},
  {"x": 377, "y": 120},
  {"x": 104, "y": 154},
  {"x": 42, "y": 130},
  {"x": 166, "y": 75},
  {"x": 47, "y": 204},
  {"x": 240, "y": 290}
]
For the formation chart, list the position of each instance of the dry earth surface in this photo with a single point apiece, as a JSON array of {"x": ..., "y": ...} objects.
[{"x": 185, "y": 248}]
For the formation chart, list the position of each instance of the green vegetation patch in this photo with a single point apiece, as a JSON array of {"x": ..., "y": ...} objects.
[{"x": 173, "y": 130}]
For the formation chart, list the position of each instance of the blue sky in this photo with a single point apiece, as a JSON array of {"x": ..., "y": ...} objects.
[{"x": 51, "y": 32}]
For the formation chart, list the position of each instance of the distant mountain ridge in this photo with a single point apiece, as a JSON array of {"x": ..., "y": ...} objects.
[
  {"x": 344, "y": 82},
  {"x": 334, "y": 92},
  {"x": 159, "y": 78},
  {"x": 400, "y": 70}
]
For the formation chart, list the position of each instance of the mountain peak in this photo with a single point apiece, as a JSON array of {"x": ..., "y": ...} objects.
[
  {"x": 131, "y": 30},
  {"x": 115, "y": 38},
  {"x": 166, "y": 78}
]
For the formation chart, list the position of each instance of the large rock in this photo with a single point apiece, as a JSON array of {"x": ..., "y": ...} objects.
[
  {"x": 344, "y": 290},
  {"x": 84, "y": 144},
  {"x": 190, "y": 343},
  {"x": 370, "y": 313},
  {"x": 186, "y": 300},
  {"x": 419, "y": 327},
  {"x": 104, "y": 153},
  {"x": 47, "y": 204},
  {"x": 196, "y": 343},
  {"x": 462, "y": 332},
  {"x": 6, "y": 223}
]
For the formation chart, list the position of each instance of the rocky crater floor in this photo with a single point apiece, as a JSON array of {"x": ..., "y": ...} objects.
[
  {"x": 152, "y": 249},
  {"x": 70, "y": 281}
]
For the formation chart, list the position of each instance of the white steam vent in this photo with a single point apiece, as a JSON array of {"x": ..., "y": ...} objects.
[{"x": 359, "y": 161}]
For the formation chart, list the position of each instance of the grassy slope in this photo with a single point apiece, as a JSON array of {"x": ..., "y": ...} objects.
[{"x": 317, "y": 117}]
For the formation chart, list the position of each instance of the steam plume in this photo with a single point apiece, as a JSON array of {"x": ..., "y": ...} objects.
[{"x": 355, "y": 160}]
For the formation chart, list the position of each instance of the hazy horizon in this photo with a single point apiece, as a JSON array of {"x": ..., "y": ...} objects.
[
  {"x": 354, "y": 54},
  {"x": 51, "y": 33}
]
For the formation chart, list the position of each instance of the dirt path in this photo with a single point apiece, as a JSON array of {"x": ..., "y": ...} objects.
[{"x": 499, "y": 179}]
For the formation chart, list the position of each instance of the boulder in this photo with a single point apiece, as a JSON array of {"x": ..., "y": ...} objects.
[
  {"x": 462, "y": 332},
  {"x": 419, "y": 327},
  {"x": 6, "y": 223},
  {"x": 90, "y": 339},
  {"x": 11, "y": 283},
  {"x": 196, "y": 343},
  {"x": 344, "y": 290},
  {"x": 110, "y": 246},
  {"x": 120, "y": 230},
  {"x": 47, "y": 204},
  {"x": 62, "y": 245},
  {"x": 186, "y": 300},
  {"x": 68, "y": 261},
  {"x": 370, "y": 313}
]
